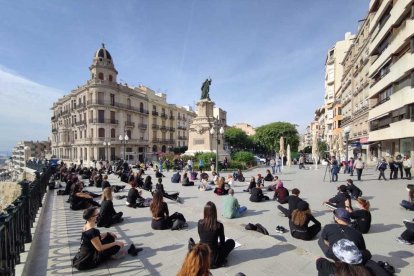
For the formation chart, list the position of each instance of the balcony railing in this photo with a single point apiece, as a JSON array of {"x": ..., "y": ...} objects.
[
  {"x": 155, "y": 126},
  {"x": 164, "y": 128},
  {"x": 171, "y": 129},
  {"x": 155, "y": 113},
  {"x": 119, "y": 105},
  {"x": 81, "y": 105},
  {"x": 164, "y": 116},
  {"x": 143, "y": 126},
  {"x": 80, "y": 123},
  {"x": 129, "y": 124},
  {"x": 103, "y": 121},
  {"x": 143, "y": 111},
  {"x": 172, "y": 117}
]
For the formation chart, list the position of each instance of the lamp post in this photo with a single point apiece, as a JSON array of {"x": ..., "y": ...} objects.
[
  {"x": 106, "y": 145},
  {"x": 347, "y": 130},
  {"x": 216, "y": 129},
  {"x": 124, "y": 139}
]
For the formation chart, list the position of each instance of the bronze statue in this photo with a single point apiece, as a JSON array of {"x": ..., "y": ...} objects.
[{"x": 205, "y": 89}]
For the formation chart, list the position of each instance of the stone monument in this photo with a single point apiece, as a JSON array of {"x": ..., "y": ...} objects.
[{"x": 200, "y": 138}]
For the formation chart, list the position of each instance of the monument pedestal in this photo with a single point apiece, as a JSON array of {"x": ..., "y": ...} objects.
[{"x": 200, "y": 138}]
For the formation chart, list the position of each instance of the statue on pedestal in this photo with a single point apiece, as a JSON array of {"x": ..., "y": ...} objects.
[{"x": 205, "y": 89}]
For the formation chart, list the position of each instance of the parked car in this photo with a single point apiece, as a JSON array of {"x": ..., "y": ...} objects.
[{"x": 259, "y": 160}]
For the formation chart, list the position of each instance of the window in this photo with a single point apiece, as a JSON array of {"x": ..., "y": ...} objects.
[
  {"x": 112, "y": 133},
  {"x": 110, "y": 78},
  {"x": 91, "y": 132},
  {"x": 129, "y": 134},
  {"x": 101, "y": 132},
  {"x": 101, "y": 116},
  {"x": 101, "y": 76},
  {"x": 129, "y": 103},
  {"x": 101, "y": 97},
  {"x": 112, "y": 99},
  {"x": 141, "y": 107},
  {"x": 113, "y": 121}
]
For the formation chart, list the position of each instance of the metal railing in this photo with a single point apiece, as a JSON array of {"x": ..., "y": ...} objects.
[{"x": 17, "y": 220}]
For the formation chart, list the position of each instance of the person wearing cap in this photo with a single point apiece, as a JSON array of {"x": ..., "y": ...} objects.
[
  {"x": 341, "y": 229},
  {"x": 299, "y": 222},
  {"x": 293, "y": 201},
  {"x": 340, "y": 200},
  {"x": 349, "y": 261}
]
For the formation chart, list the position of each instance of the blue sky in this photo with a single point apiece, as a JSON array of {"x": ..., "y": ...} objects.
[{"x": 265, "y": 57}]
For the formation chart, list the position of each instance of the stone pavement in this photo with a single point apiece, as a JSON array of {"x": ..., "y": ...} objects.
[{"x": 57, "y": 242}]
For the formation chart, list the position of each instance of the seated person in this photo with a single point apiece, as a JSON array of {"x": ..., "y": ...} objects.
[
  {"x": 148, "y": 184},
  {"x": 260, "y": 180},
  {"x": 229, "y": 180},
  {"x": 362, "y": 217},
  {"x": 252, "y": 184},
  {"x": 176, "y": 177},
  {"x": 238, "y": 176},
  {"x": 186, "y": 181},
  {"x": 95, "y": 247},
  {"x": 220, "y": 187},
  {"x": 215, "y": 178},
  {"x": 193, "y": 175},
  {"x": 203, "y": 176},
  {"x": 161, "y": 219},
  {"x": 160, "y": 187},
  {"x": 341, "y": 200},
  {"x": 409, "y": 204},
  {"x": 231, "y": 207},
  {"x": 105, "y": 182},
  {"x": 158, "y": 174},
  {"x": 293, "y": 201},
  {"x": 257, "y": 194},
  {"x": 269, "y": 176},
  {"x": 197, "y": 260},
  {"x": 272, "y": 186},
  {"x": 353, "y": 190},
  {"x": 281, "y": 193},
  {"x": 108, "y": 216},
  {"x": 204, "y": 185},
  {"x": 407, "y": 237},
  {"x": 332, "y": 233},
  {"x": 299, "y": 222},
  {"x": 80, "y": 200},
  {"x": 134, "y": 198}
]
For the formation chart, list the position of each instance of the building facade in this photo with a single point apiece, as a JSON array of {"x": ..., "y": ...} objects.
[
  {"x": 391, "y": 92},
  {"x": 250, "y": 131},
  {"x": 106, "y": 120},
  {"x": 29, "y": 150}
]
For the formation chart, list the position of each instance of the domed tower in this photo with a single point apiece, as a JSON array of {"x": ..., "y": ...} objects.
[{"x": 102, "y": 67}]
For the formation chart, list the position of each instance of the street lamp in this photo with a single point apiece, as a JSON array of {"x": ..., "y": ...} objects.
[
  {"x": 107, "y": 145},
  {"x": 124, "y": 139},
  {"x": 347, "y": 130},
  {"x": 219, "y": 131}
]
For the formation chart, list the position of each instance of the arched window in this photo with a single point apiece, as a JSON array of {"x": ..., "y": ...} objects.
[
  {"x": 164, "y": 148},
  {"x": 101, "y": 132},
  {"x": 110, "y": 78},
  {"x": 154, "y": 148},
  {"x": 112, "y": 133},
  {"x": 129, "y": 103},
  {"x": 100, "y": 76}
]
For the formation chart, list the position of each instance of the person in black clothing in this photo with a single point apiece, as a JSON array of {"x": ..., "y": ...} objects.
[
  {"x": 95, "y": 247},
  {"x": 332, "y": 233},
  {"x": 407, "y": 237},
  {"x": 108, "y": 216},
  {"x": 257, "y": 194},
  {"x": 161, "y": 218},
  {"x": 353, "y": 190},
  {"x": 80, "y": 200},
  {"x": 147, "y": 184},
  {"x": 381, "y": 167},
  {"x": 160, "y": 187},
  {"x": 341, "y": 200},
  {"x": 292, "y": 201},
  {"x": 299, "y": 222},
  {"x": 186, "y": 181},
  {"x": 393, "y": 169},
  {"x": 105, "y": 183},
  {"x": 158, "y": 174},
  {"x": 134, "y": 198},
  {"x": 269, "y": 176},
  {"x": 252, "y": 184},
  {"x": 211, "y": 232},
  {"x": 362, "y": 218}
]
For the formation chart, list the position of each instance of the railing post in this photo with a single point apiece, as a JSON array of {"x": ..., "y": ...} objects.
[{"x": 26, "y": 211}]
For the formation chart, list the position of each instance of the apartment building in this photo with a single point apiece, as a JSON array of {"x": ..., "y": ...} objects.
[
  {"x": 250, "y": 131},
  {"x": 354, "y": 95},
  {"x": 29, "y": 150},
  {"x": 391, "y": 92},
  {"x": 333, "y": 76},
  {"x": 107, "y": 120}
]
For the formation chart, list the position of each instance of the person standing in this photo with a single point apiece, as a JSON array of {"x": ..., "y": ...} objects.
[
  {"x": 301, "y": 162},
  {"x": 359, "y": 166},
  {"x": 231, "y": 207},
  {"x": 279, "y": 164},
  {"x": 382, "y": 166},
  {"x": 225, "y": 163},
  {"x": 393, "y": 168},
  {"x": 399, "y": 163},
  {"x": 190, "y": 165},
  {"x": 272, "y": 164},
  {"x": 351, "y": 166},
  {"x": 168, "y": 164},
  {"x": 407, "y": 167},
  {"x": 201, "y": 165},
  {"x": 334, "y": 169},
  {"x": 161, "y": 164}
]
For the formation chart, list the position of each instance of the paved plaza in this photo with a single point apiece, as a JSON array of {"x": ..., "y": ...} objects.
[{"x": 59, "y": 230}]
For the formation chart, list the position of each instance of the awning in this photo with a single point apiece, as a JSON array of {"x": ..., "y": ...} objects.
[
  {"x": 378, "y": 117},
  {"x": 363, "y": 140}
]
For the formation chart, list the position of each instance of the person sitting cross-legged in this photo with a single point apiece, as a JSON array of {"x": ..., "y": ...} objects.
[
  {"x": 299, "y": 221},
  {"x": 231, "y": 207},
  {"x": 257, "y": 194},
  {"x": 292, "y": 201},
  {"x": 108, "y": 216}
]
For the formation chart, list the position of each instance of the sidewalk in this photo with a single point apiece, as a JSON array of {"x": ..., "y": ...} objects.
[{"x": 258, "y": 254}]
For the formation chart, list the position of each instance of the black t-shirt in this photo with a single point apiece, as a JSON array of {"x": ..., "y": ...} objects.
[
  {"x": 105, "y": 184},
  {"x": 362, "y": 220},
  {"x": 354, "y": 190},
  {"x": 256, "y": 195},
  {"x": 211, "y": 237},
  {"x": 334, "y": 232},
  {"x": 304, "y": 227},
  {"x": 293, "y": 202},
  {"x": 132, "y": 197},
  {"x": 339, "y": 200},
  {"x": 87, "y": 236},
  {"x": 106, "y": 212},
  {"x": 268, "y": 177}
]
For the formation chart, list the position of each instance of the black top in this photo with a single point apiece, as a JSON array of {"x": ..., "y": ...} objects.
[
  {"x": 211, "y": 237},
  {"x": 163, "y": 212},
  {"x": 325, "y": 267},
  {"x": 133, "y": 196},
  {"x": 256, "y": 195},
  {"x": 339, "y": 200},
  {"x": 354, "y": 190},
  {"x": 160, "y": 187},
  {"x": 334, "y": 232},
  {"x": 268, "y": 177},
  {"x": 106, "y": 213},
  {"x": 186, "y": 180},
  {"x": 105, "y": 184},
  {"x": 87, "y": 236},
  {"x": 362, "y": 221},
  {"x": 252, "y": 184},
  {"x": 293, "y": 202},
  {"x": 304, "y": 227}
]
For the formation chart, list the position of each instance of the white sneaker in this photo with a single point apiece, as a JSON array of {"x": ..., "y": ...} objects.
[{"x": 401, "y": 240}]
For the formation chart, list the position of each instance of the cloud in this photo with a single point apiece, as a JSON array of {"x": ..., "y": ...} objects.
[{"x": 24, "y": 108}]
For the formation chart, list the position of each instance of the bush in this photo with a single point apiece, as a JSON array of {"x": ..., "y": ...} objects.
[
  {"x": 237, "y": 165},
  {"x": 244, "y": 156},
  {"x": 206, "y": 157}
]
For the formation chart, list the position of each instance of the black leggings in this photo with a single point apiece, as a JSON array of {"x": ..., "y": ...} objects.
[
  {"x": 285, "y": 211},
  {"x": 407, "y": 173},
  {"x": 172, "y": 196},
  {"x": 309, "y": 234},
  {"x": 220, "y": 255}
]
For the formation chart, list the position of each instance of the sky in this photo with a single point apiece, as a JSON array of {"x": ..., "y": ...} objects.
[{"x": 265, "y": 57}]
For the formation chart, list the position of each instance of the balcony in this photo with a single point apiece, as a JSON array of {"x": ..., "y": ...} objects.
[
  {"x": 171, "y": 129},
  {"x": 154, "y": 113},
  {"x": 155, "y": 126},
  {"x": 129, "y": 124},
  {"x": 117, "y": 105},
  {"x": 80, "y": 106},
  {"x": 182, "y": 127},
  {"x": 172, "y": 117},
  {"x": 103, "y": 121},
  {"x": 54, "y": 130},
  {"x": 80, "y": 123},
  {"x": 53, "y": 118},
  {"x": 143, "y": 126},
  {"x": 143, "y": 111},
  {"x": 163, "y": 128},
  {"x": 164, "y": 116}
]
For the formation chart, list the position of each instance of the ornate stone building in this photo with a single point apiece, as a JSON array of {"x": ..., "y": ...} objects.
[{"x": 107, "y": 120}]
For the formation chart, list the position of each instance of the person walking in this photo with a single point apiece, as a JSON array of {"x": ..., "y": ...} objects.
[
  {"x": 359, "y": 166},
  {"x": 279, "y": 164},
  {"x": 381, "y": 167},
  {"x": 407, "y": 167},
  {"x": 272, "y": 164},
  {"x": 335, "y": 169}
]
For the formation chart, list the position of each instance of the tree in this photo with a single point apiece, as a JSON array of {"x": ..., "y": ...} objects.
[
  {"x": 269, "y": 135},
  {"x": 237, "y": 138}
]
